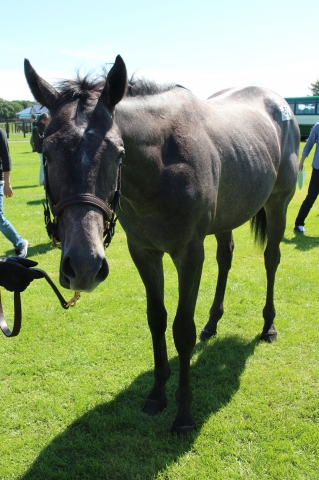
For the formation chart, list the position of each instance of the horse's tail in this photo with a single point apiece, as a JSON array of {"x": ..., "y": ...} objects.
[{"x": 258, "y": 226}]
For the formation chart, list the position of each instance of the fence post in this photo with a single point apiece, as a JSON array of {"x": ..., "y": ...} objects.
[{"x": 7, "y": 129}]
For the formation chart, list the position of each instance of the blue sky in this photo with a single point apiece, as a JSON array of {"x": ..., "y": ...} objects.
[{"x": 204, "y": 45}]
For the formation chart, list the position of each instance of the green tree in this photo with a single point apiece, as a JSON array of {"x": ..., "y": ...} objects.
[
  {"x": 315, "y": 88},
  {"x": 9, "y": 109},
  {"x": 4, "y": 108},
  {"x": 26, "y": 103}
]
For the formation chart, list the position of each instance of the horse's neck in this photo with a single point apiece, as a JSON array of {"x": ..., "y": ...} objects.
[
  {"x": 143, "y": 138},
  {"x": 152, "y": 128}
]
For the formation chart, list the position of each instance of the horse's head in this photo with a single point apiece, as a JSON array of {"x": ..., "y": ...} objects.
[{"x": 83, "y": 149}]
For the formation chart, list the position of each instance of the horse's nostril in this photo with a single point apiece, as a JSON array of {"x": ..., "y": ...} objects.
[
  {"x": 71, "y": 274},
  {"x": 103, "y": 272},
  {"x": 83, "y": 276},
  {"x": 67, "y": 269}
]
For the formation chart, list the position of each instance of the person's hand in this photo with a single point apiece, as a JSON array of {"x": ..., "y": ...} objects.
[
  {"x": 8, "y": 192},
  {"x": 16, "y": 273},
  {"x": 301, "y": 163}
]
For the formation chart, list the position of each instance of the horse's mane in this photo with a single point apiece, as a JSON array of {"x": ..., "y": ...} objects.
[
  {"x": 143, "y": 87},
  {"x": 81, "y": 87}
]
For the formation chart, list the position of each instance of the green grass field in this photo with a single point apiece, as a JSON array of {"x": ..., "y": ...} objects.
[{"x": 73, "y": 383}]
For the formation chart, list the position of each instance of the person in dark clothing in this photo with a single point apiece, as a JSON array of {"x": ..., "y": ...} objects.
[
  {"x": 32, "y": 120},
  {"x": 20, "y": 245},
  {"x": 313, "y": 189},
  {"x": 37, "y": 139},
  {"x": 15, "y": 273}
]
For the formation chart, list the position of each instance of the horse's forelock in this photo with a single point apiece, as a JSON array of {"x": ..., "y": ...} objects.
[{"x": 80, "y": 87}]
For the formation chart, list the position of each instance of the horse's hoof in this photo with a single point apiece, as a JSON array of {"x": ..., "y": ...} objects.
[
  {"x": 269, "y": 337},
  {"x": 154, "y": 407},
  {"x": 206, "y": 334},
  {"x": 183, "y": 424},
  {"x": 182, "y": 430}
]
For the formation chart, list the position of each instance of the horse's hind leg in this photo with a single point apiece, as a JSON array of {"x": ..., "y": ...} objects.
[
  {"x": 225, "y": 248},
  {"x": 275, "y": 209},
  {"x": 150, "y": 267}
]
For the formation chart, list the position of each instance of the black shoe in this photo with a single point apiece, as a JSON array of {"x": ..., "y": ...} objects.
[{"x": 22, "y": 251}]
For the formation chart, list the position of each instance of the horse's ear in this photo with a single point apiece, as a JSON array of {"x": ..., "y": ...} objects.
[
  {"x": 116, "y": 83},
  {"x": 42, "y": 91}
]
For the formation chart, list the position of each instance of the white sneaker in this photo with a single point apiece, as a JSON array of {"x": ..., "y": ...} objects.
[{"x": 299, "y": 229}]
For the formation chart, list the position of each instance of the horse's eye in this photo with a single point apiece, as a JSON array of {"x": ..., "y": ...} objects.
[{"x": 121, "y": 155}]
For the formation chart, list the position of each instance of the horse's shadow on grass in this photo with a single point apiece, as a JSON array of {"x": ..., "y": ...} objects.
[
  {"x": 302, "y": 241},
  {"x": 116, "y": 440}
]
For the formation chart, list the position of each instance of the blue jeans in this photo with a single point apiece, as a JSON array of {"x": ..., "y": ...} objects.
[
  {"x": 41, "y": 172},
  {"x": 6, "y": 228}
]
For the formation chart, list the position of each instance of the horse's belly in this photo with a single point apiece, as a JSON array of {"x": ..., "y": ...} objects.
[
  {"x": 167, "y": 232},
  {"x": 238, "y": 206}
]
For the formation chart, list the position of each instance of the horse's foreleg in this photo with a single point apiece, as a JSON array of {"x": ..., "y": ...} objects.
[
  {"x": 150, "y": 267},
  {"x": 189, "y": 267},
  {"x": 224, "y": 255}
]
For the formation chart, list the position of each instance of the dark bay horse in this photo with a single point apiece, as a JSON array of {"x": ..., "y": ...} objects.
[{"x": 191, "y": 168}]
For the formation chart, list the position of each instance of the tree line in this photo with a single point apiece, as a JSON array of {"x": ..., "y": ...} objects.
[{"x": 8, "y": 109}]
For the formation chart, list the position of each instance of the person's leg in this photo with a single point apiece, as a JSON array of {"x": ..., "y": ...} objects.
[
  {"x": 6, "y": 228},
  {"x": 313, "y": 192},
  {"x": 41, "y": 172}
]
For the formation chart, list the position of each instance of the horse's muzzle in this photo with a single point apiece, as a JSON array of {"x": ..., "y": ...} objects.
[{"x": 83, "y": 277}]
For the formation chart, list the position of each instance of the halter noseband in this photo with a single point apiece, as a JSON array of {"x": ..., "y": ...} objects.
[{"x": 82, "y": 198}]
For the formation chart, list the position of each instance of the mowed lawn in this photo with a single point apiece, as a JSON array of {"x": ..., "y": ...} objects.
[{"x": 73, "y": 383}]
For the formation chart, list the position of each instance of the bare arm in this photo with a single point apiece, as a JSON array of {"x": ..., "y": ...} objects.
[
  {"x": 8, "y": 192},
  {"x": 301, "y": 162}
]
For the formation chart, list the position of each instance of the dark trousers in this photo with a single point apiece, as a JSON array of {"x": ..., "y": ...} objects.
[{"x": 313, "y": 192}]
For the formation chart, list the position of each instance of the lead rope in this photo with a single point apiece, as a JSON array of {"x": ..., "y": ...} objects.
[{"x": 18, "y": 310}]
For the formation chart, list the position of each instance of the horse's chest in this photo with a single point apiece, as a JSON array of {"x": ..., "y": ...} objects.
[{"x": 161, "y": 231}]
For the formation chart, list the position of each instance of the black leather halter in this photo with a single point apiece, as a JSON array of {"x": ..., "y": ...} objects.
[{"x": 82, "y": 198}]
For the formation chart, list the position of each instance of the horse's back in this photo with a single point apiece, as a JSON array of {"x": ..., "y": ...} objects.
[
  {"x": 259, "y": 107},
  {"x": 256, "y": 138}
]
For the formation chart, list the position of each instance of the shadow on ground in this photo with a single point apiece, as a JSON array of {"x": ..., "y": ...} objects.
[
  {"x": 302, "y": 241},
  {"x": 19, "y": 187},
  {"x": 37, "y": 202},
  {"x": 33, "y": 250},
  {"x": 115, "y": 440}
]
